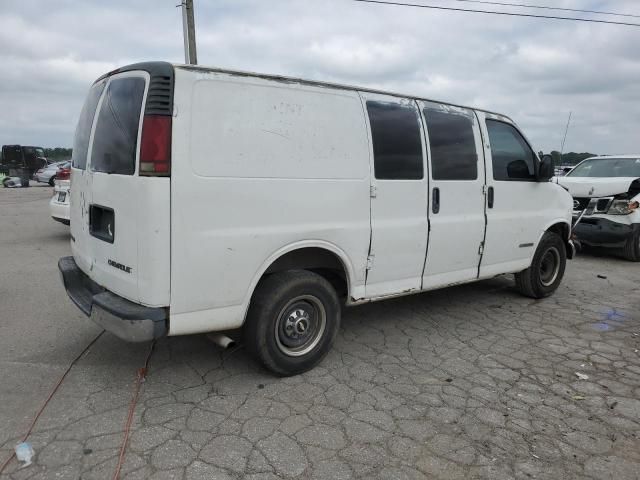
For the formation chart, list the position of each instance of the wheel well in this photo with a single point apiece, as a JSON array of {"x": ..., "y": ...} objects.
[
  {"x": 561, "y": 229},
  {"x": 318, "y": 260}
]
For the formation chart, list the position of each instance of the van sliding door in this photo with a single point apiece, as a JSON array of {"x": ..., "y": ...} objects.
[
  {"x": 399, "y": 226},
  {"x": 457, "y": 212}
]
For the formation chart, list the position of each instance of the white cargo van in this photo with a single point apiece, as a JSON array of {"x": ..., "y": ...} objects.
[{"x": 211, "y": 200}]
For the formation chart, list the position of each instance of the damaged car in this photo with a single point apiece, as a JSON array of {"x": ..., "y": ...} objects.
[{"x": 606, "y": 196}]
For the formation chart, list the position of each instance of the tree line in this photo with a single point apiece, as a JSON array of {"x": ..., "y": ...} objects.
[{"x": 57, "y": 153}]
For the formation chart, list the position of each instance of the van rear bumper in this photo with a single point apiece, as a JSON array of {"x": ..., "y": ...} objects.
[{"x": 125, "y": 319}]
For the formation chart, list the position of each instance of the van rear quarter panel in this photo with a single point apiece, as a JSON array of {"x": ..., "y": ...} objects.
[{"x": 259, "y": 167}]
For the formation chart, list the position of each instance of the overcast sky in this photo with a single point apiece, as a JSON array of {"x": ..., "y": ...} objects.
[{"x": 535, "y": 71}]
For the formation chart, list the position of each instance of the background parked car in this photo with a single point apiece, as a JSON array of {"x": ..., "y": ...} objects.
[
  {"x": 59, "y": 203},
  {"x": 48, "y": 174},
  {"x": 22, "y": 161},
  {"x": 606, "y": 193}
]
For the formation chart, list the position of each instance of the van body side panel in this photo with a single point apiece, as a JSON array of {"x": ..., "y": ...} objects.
[{"x": 259, "y": 165}]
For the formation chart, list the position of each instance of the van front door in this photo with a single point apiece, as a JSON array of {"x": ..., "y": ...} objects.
[
  {"x": 517, "y": 203},
  {"x": 457, "y": 212},
  {"x": 399, "y": 228}
]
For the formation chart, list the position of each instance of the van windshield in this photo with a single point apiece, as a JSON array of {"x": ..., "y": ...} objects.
[
  {"x": 607, "y": 167},
  {"x": 115, "y": 139}
]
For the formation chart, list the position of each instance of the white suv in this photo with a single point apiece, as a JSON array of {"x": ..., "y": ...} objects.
[{"x": 606, "y": 199}]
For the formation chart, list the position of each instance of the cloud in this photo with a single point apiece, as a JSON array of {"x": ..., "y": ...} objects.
[{"x": 534, "y": 71}]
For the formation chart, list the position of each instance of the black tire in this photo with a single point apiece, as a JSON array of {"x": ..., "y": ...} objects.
[
  {"x": 292, "y": 321},
  {"x": 631, "y": 249},
  {"x": 52, "y": 181},
  {"x": 544, "y": 275},
  {"x": 25, "y": 183}
]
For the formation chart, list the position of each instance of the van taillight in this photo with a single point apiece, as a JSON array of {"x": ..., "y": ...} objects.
[{"x": 155, "y": 146}]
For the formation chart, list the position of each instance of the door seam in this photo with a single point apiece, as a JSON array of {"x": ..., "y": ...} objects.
[{"x": 485, "y": 189}]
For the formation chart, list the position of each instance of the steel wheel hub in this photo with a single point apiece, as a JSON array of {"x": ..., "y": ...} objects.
[
  {"x": 549, "y": 266},
  {"x": 300, "y": 325}
]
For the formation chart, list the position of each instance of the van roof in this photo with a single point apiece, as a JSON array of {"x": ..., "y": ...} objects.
[{"x": 287, "y": 79}]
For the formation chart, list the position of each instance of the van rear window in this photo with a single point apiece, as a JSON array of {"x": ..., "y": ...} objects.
[
  {"x": 116, "y": 137},
  {"x": 83, "y": 130}
]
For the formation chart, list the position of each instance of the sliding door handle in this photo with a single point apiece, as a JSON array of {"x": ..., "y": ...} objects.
[
  {"x": 435, "y": 200},
  {"x": 490, "y": 197}
]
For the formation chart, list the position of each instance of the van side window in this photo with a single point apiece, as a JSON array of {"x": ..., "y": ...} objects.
[
  {"x": 512, "y": 158},
  {"x": 115, "y": 141},
  {"x": 397, "y": 147},
  {"x": 453, "y": 146},
  {"x": 83, "y": 129}
]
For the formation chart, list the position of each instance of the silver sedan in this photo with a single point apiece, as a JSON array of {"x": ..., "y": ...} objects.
[{"x": 48, "y": 174}]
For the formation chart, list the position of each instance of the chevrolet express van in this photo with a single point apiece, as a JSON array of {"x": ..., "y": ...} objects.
[{"x": 210, "y": 200}]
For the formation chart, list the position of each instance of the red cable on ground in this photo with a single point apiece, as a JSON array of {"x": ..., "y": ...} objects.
[
  {"x": 53, "y": 392},
  {"x": 142, "y": 372}
]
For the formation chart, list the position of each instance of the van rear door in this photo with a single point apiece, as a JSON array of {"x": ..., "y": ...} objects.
[{"x": 120, "y": 218}]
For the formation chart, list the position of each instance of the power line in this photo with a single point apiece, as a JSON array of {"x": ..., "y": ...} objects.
[
  {"x": 491, "y": 12},
  {"x": 545, "y": 7}
]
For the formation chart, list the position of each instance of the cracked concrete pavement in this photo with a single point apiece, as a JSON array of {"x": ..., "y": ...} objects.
[{"x": 468, "y": 382}]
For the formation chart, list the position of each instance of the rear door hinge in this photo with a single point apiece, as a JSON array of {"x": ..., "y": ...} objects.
[
  {"x": 481, "y": 248},
  {"x": 373, "y": 191},
  {"x": 370, "y": 262}
]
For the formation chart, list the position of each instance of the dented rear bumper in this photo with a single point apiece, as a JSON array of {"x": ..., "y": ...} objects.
[{"x": 125, "y": 319}]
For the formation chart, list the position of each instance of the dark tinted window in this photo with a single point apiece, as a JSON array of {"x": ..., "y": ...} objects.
[
  {"x": 453, "y": 147},
  {"x": 116, "y": 138},
  {"x": 512, "y": 157},
  {"x": 397, "y": 148},
  {"x": 83, "y": 129},
  {"x": 12, "y": 155}
]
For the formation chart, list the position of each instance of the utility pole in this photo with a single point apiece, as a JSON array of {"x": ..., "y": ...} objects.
[{"x": 189, "y": 33}]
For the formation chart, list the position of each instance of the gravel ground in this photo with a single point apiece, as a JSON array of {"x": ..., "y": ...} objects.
[{"x": 467, "y": 382}]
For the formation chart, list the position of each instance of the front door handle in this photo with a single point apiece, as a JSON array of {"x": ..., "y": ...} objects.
[
  {"x": 490, "y": 197},
  {"x": 435, "y": 200}
]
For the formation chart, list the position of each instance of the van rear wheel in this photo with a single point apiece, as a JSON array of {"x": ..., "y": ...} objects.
[
  {"x": 292, "y": 322},
  {"x": 544, "y": 275}
]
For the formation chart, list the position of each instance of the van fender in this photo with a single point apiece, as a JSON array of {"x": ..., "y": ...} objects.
[{"x": 341, "y": 254}]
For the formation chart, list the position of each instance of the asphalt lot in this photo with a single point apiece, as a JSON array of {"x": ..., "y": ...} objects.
[{"x": 468, "y": 382}]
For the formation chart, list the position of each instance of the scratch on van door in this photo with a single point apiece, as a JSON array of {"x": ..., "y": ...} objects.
[{"x": 276, "y": 133}]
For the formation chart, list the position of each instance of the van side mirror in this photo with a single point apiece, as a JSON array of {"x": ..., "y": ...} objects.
[{"x": 545, "y": 169}]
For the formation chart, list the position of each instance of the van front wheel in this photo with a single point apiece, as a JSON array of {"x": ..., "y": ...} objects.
[
  {"x": 544, "y": 275},
  {"x": 292, "y": 322}
]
